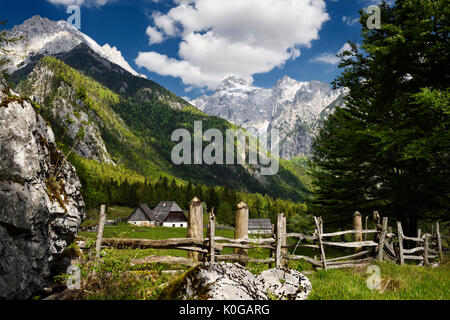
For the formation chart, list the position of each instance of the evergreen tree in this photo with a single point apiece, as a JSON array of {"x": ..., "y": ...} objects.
[{"x": 388, "y": 148}]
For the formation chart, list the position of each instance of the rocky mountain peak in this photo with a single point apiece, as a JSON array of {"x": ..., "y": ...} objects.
[
  {"x": 289, "y": 105},
  {"x": 41, "y": 36},
  {"x": 233, "y": 82}
]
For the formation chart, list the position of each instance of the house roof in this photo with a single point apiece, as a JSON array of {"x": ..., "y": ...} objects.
[
  {"x": 162, "y": 210},
  {"x": 146, "y": 210},
  {"x": 259, "y": 224}
]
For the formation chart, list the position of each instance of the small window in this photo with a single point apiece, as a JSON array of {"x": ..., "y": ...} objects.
[{"x": 173, "y": 225}]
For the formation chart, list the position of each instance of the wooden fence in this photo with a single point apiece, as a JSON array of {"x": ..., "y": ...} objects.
[
  {"x": 428, "y": 246},
  {"x": 366, "y": 251}
]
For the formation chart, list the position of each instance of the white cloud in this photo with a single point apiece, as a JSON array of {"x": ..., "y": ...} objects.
[
  {"x": 154, "y": 35},
  {"x": 331, "y": 58},
  {"x": 81, "y": 2},
  {"x": 233, "y": 37},
  {"x": 165, "y": 23},
  {"x": 349, "y": 21}
]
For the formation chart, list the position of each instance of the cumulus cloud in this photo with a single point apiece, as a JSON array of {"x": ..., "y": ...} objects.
[
  {"x": 154, "y": 35},
  {"x": 233, "y": 37},
  {"x": 331, "y": 58},
  {"x": 81, "y": 2}
]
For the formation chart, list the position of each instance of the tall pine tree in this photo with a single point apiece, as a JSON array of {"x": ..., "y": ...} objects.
[{"x": 388, "y": 148}]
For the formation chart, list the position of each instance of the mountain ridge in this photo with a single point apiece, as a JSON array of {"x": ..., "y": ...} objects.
[
  {"x": 286, "y": 106},
  {"x": 43, "y": 36}
]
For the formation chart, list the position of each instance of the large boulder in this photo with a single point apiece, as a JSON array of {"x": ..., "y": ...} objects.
[
  {"x": 214, "y": 281},
  {"x": 41, "y": 206},
  {"x": 285, "y": 284},
  {"x": 231, "y": 281}
]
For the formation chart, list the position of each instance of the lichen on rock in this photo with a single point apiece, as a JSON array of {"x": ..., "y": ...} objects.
[{"x": 37, "y": 221}]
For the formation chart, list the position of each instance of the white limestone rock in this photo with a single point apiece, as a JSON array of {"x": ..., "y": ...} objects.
[
  {"x": 231, "y": 281},
  {"x": 37, "y": 223},
  {"x": 285, "y": 284}
]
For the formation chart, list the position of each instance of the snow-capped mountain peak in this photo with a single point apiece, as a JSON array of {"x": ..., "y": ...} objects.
[
  {"x": 43, "y": 36},
  {"x": 234, "y": 83},
  {"x": 293, "y": 107}
]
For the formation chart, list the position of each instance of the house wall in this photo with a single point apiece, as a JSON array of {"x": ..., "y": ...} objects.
[
  {"x": 259, "y": 231},
  {"x": 178, "y": 224}
]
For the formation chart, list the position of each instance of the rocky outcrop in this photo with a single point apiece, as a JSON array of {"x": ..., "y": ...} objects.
[
  {"x": 228, "y": 281},
  {"x": 41, "y": 206},
  {"x": 285, "y": 284},
  {"x": 67, "y": 111}
]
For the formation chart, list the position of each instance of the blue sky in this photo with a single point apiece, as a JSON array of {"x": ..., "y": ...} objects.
[{"x": 190, "y": 49}]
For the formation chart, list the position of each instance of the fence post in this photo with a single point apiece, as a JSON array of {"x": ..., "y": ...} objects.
[
  {"x": 400, "y": 243},
  {"x": 101, "y": 225},
  {"x": 366, "y": 228},
  {"x": 279, "y": 240},
  {"x": 284, "y": 242},
  {"x": 195, "y": 226},
  {"x": 241, "y": 226},
  {"x": 376, "y": 218},
  {"x": 357, "y": 225},
  {"x": 439, "y": 241},
  {"x": 273, "y": 251},
  {"x": 419, "y": 234},
  {"x": 212, "y": 227},
  {"x": 425, "y": 250},
  {"x": 382, "y": 236},
  {"x": 319, "y": 225}
]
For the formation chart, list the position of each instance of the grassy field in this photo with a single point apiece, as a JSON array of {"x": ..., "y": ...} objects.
[
  {"x": 409, "y": 282},
  {"x": 112, "y": 213},
  {"x": 397, "y": 283}
]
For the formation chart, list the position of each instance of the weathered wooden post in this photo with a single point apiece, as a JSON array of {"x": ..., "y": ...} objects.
[
  {"x": 319, "y": 225},
  {"x": 101, "y": 225},
  {"x": 419, "y": 234},
  {"x": 439, "y": 241},
  {"x": 376, "y": 219},
  {"x": 357, "y": 225},
  {"x": 279, "y": 239},
  {"x": 212, "y": 242},
  {"x": 381, "y": 240},
  {"x": 241, "y": 225},
  {"x": 195, "y": 225},
  {"x": 284, "y": 251},
  {"x": 400, "y": 243},
  {"x": 273, "y": 251},
  {"x": 366, "y": 228},
  {"x": 426, "y": 261}
]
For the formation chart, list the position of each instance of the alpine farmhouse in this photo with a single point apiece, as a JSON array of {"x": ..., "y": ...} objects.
[{"x": 166, "y": 214}]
